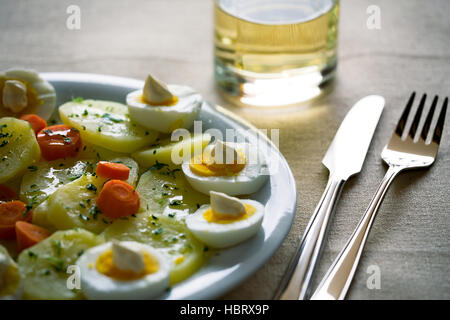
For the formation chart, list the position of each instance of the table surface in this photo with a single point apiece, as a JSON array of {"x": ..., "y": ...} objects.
[{"x": 173, "y": 39}]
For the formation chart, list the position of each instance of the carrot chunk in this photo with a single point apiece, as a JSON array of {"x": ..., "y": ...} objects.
[
  {"x": 10, "y": 213},
  {"x": 112, "y": 170},
  {"x": 59, "y": 141},
  {"x": 118, "y": 199},
  {"x": 6, "y": 193},
  {"x": 29, "y": 234},
  {"x": 36, "y": 122}
]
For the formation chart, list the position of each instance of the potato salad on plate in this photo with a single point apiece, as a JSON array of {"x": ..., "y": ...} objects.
[{"x": 92, "y": 204}]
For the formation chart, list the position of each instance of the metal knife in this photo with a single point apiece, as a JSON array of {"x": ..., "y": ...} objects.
[{"x": 344, "y": 158}]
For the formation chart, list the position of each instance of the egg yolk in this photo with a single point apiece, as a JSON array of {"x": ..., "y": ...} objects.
[
  {"x": 167, "y": 103},
  {"x": 205, "y": 165},
  {"x": 179, "y": 260},
  {"x": 32, "y": 98},
  {"x": 209, "y": 216},
  {"x": 106, "y": 266}
]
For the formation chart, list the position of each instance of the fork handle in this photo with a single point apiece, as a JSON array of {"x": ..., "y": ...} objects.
[
  {"x": 335, "y": 284},
  {"x": 296, "y": 281}
]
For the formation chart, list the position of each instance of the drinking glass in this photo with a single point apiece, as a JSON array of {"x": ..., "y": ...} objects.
[{"x": 274, "y": 52}]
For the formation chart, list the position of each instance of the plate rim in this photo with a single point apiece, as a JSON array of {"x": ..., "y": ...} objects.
[{"x": 239, "y": 276}]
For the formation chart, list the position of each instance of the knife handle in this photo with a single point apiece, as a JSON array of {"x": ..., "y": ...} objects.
[
  {"x": 296, "y": 281},
  {"x": 335, "y": 284}
]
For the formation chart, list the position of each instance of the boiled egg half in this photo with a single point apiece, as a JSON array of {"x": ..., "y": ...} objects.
[
  {"x": 164, "y": 108},
  {"x": 228, "y": 167},
  {"x": 24, "y": 91},
  {"x": 227, "y": 221},
  {"x": 115, "y": 270}
]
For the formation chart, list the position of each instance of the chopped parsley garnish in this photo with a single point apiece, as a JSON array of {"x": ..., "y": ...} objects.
[
  {"x": 67, "y": 140},
  {"x": 91, "y": 187},
  {"x": 108, "y": 118},
  {"x": 57, "y": 247},
  {"x": 85, "y": 113},
  {"x": 175, "y": 202},
  {"x": 56, "y": 263},
  {"x": 157, "y": 231},
  {"x": 158, "y": 166},
  {"x": 94, "y": 211},
  {"x": 75, "y": 177},
  {"x": 154, "y": 217},
  {"x": 4, "y": 143},
  {"x": 29, "y": 206},
  {"x": 48, "y": 131},
  {"x": 171, "y": 214},
  {"x": 77, "y": 100},
  {"x": 83, "y": 217},
  {"x": 31, "y": 254}
]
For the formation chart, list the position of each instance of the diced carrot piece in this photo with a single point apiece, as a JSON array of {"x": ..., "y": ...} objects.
[
  {"x": 118, "y": 199},
  {"x": 59, "y": 141},
  {"x": 6, "y": 193},
  {"x": 10, "y": 213},
  {"x": 29, "y": 234},
  {"x": 36, "y": 122},
  {"x": 112, "y": 170}
]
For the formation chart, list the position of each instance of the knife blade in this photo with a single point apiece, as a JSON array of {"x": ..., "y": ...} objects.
[
  {"x": 346, "y": 154},
  {"x": 344, "y": 158}
]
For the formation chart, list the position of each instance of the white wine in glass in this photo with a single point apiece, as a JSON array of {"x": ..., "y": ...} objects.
[{"x": 275, "y": 52}]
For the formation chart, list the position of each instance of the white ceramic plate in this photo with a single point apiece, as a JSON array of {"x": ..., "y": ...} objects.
[{"x": 231, "y": 266}]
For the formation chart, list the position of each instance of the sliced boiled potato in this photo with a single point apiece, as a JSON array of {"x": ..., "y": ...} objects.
[
  {"x": 173, "y": 240},
  {"x": 44, "y": 265},
  {"x": 106, "y": 124},
  {"x": 44, "y": 178},
  {"x": 90, "y": 151},
  {"x": 10, "y": 281},
  {"x": 18, "y": 148},
  {"x": 165, "y": 191},
  {"x": 40, "y": 216},
  {"x": 172, "y": 153},
  {"x": 73, "y": 205}
]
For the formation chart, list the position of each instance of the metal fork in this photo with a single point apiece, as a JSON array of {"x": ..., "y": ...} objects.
[{"x": 409, "y": 152}]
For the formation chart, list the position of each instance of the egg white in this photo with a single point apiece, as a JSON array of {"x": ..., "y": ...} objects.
[
  {"x": 45, "y": 91},
  {"x": 98, "y": 286},
  {"x": 217, "y": 235},
  {"x": 163, "y": 118},
  {"x": 247, "y": 181}
]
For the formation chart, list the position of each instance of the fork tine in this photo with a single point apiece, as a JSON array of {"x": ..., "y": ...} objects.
[
  {"x": 427, "y": 124},
  {"x": 440, "y": 124},
  {"x": 402, "y": 122},
  {"x": 415, "y": 123}
]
